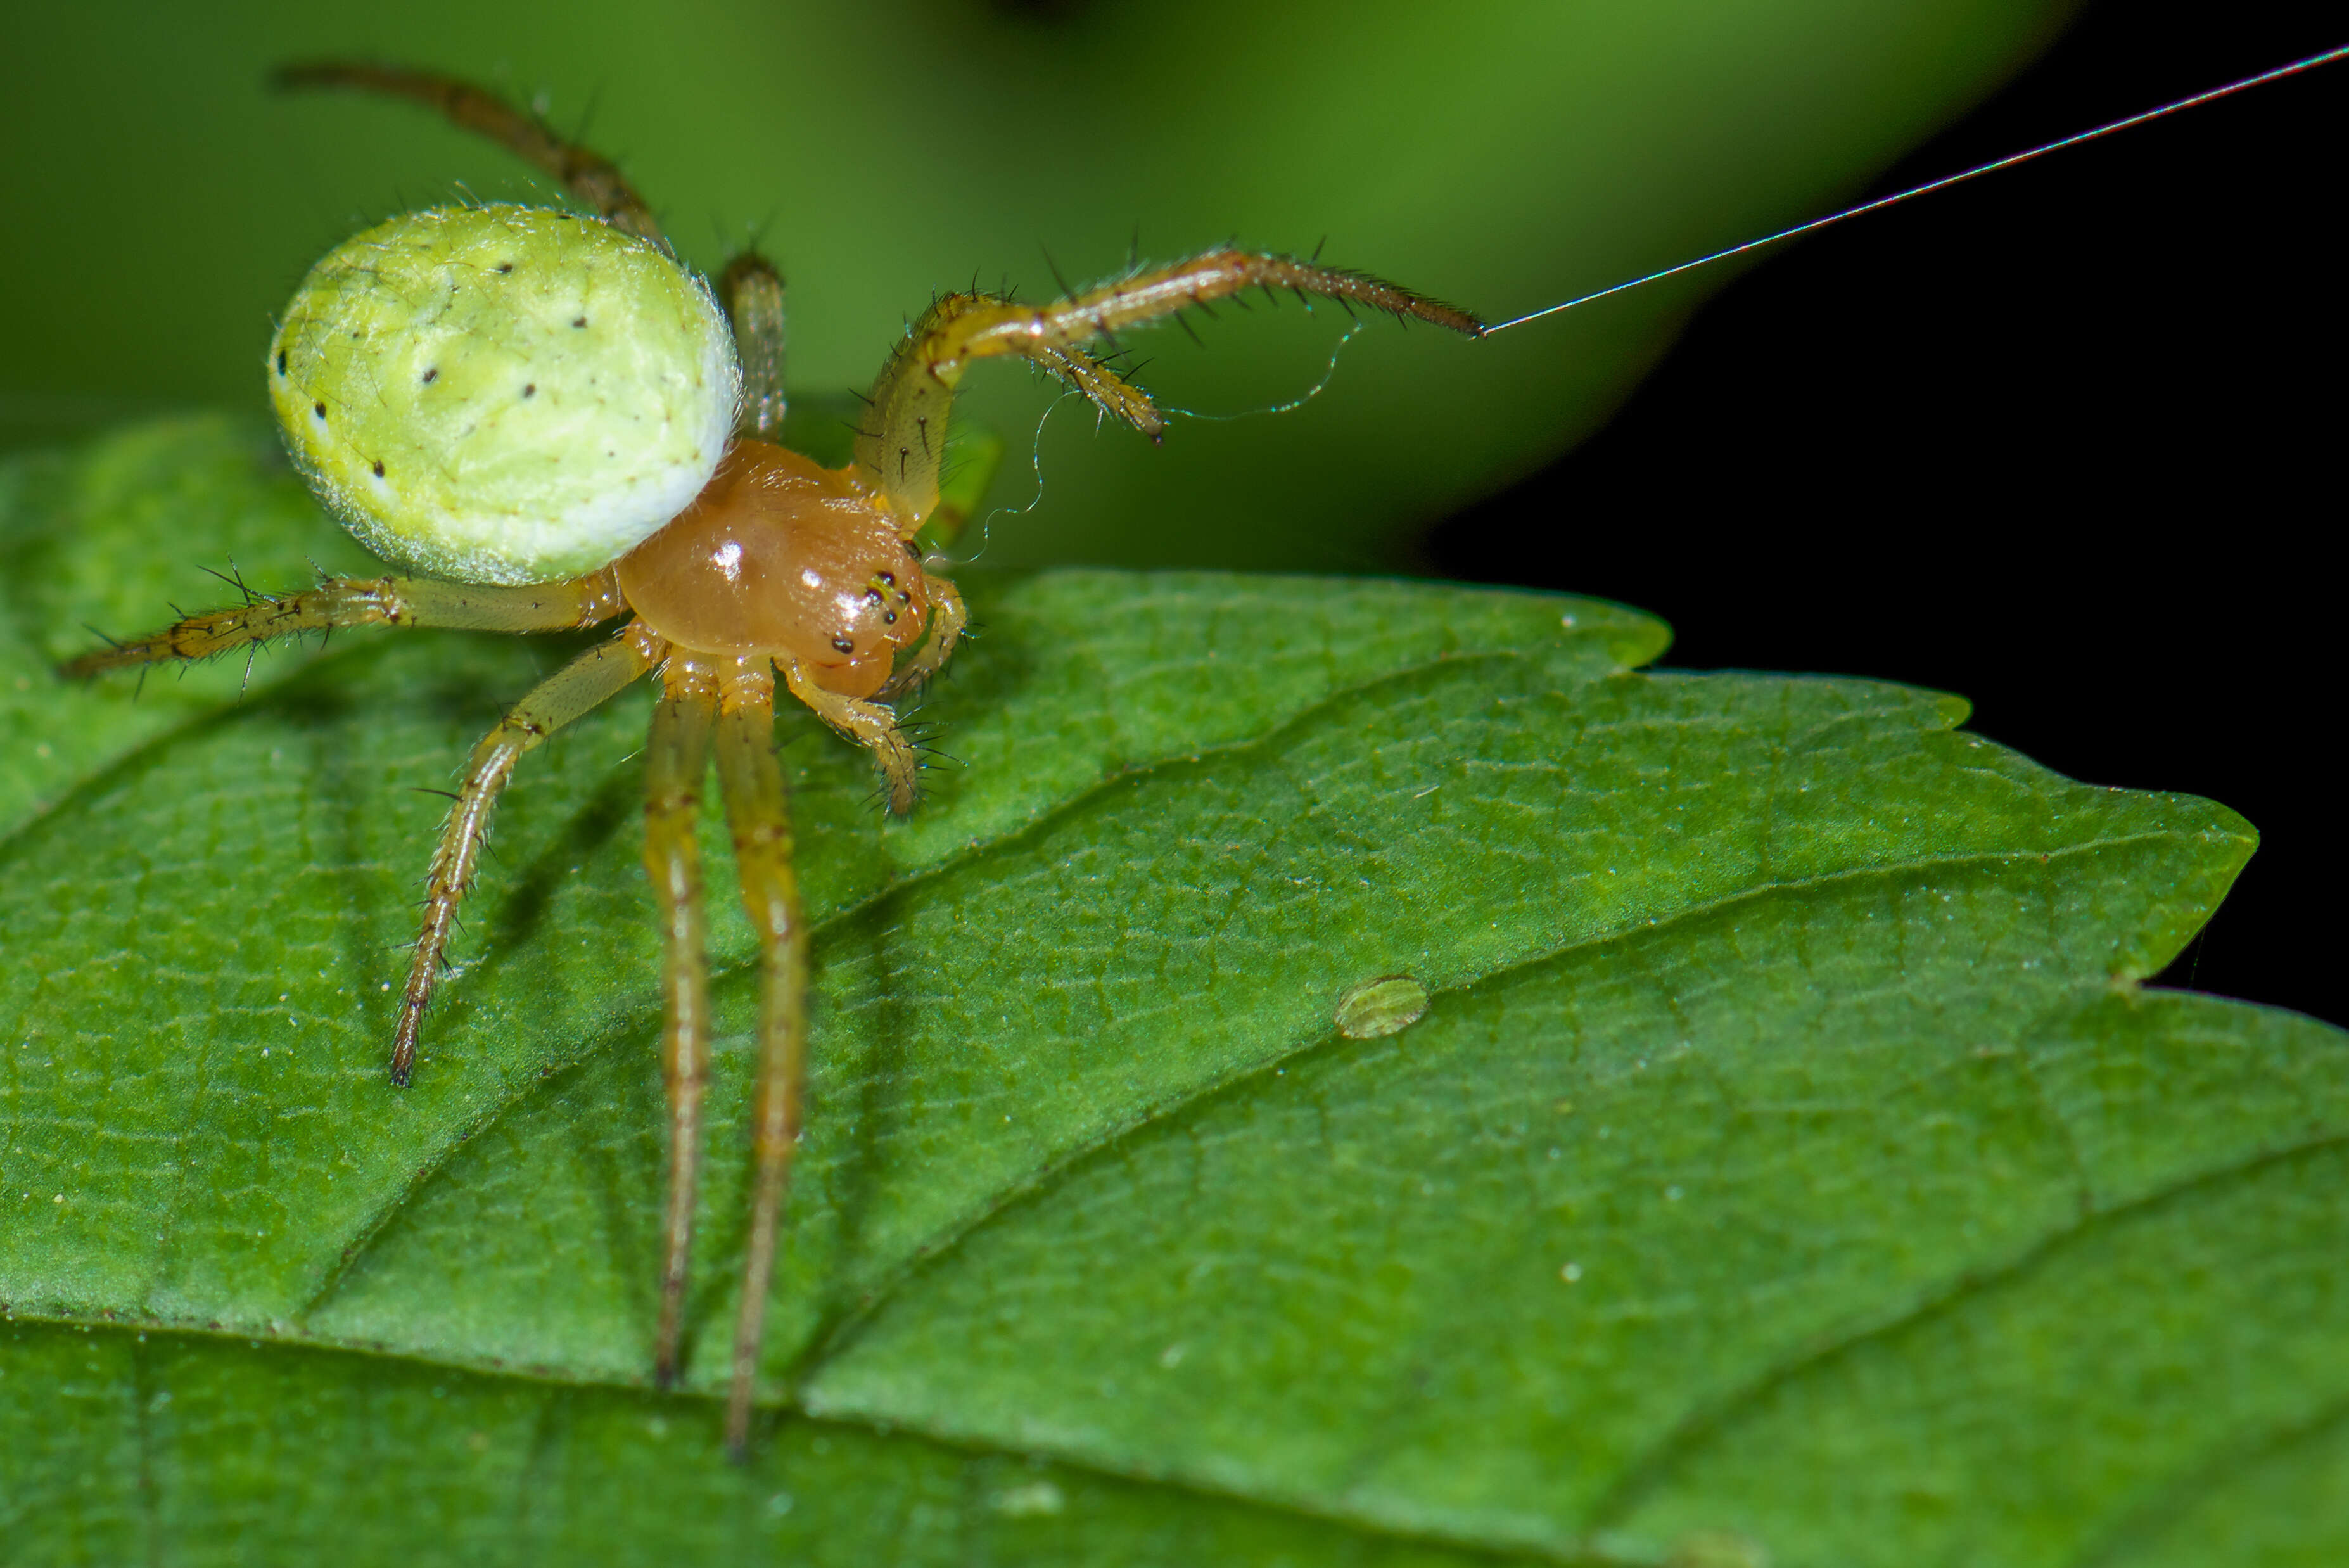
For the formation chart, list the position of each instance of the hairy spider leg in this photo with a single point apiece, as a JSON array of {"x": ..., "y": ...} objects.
[
  {"x": 752, "y": 291},
  {"x": 578, "y": 687},
  {"x": 677, "y": 762},
  {"x": 899, "y": 449},
  {"x": 758, "y": 813},
  {"x": 591, "y": 178},
  {"x": 367, "y": 601}
]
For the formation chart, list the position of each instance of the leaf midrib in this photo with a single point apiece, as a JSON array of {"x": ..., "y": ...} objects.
[{"x": 138, "y": 1332}]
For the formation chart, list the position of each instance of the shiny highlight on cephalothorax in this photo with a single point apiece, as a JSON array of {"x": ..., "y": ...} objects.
[{"x": 781, "y": 557}]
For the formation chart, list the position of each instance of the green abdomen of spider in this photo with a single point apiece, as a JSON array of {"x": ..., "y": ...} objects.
[
  {"x": 503, "y": 394},
  {"x": 781, "y": 557}
]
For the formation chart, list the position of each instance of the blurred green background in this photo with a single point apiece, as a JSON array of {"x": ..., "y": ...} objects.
[{"x": 1501, "y": 155}]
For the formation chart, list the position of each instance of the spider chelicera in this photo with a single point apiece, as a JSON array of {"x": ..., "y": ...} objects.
[{"x": 560, "y": 425}]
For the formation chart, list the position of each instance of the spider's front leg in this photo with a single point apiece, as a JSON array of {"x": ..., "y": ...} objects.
[{"x": 903, "y": 438}]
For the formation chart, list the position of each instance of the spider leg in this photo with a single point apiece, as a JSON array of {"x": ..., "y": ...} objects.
[
  {"x": 899, "y": 448},
  {"x": 675, "y": 761},
  {"x": 758, "y": 814},
  {"x": 950, "y": 617},
  {"x": 591, "y": 178},
  {"x": 752, "y": 292},
  {"x": 571, "y": 690},
  {"x": 367, "y": 601},
  {"x": 869, "y": 724}
]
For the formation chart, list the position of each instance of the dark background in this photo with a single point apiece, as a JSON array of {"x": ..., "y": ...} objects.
[{"x": 1854, "y": 461}]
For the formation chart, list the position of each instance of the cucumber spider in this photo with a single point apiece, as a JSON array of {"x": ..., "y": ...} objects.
[{"x": 562, "y": 426}]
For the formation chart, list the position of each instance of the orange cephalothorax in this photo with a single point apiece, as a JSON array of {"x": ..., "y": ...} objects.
[{"x": 781, "y": 557}]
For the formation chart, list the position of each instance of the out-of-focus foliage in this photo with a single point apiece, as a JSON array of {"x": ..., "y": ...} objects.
[{"x": 1501, "y": 155}]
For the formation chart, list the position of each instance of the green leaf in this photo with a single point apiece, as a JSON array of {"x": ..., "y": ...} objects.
[{"x": 1787, "y": 1164}]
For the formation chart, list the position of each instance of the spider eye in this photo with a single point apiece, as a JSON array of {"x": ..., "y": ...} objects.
[{"x": 843, "y": 643}]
